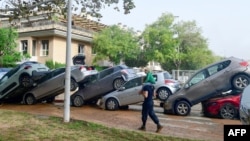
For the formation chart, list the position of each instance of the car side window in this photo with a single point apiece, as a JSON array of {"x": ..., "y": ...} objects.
[
  {"x": 198, "y": 77},
  {"x": 106, "y": 72},
  {"x": 133, "y": 83}
]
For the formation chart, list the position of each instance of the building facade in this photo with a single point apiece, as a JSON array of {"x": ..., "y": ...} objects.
[{"x": 45, "y": 39}]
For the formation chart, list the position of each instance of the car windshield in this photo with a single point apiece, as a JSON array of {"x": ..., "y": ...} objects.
[{"x": 11, "y": 72}]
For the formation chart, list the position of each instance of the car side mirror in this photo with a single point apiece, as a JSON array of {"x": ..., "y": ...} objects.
[{"x": 186, "y": 86}]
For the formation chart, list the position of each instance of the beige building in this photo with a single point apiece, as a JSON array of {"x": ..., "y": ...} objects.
[{"x": 45, "y": 39}]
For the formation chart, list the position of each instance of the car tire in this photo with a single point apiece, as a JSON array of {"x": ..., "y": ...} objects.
[
  {"x": 25, "y": 80},
  {"x": 118, "y": 83},
  {"x": 73, "y": 85},
  {"x": 77, "y": 101},
  {"x": 30, "y": 99},
  {"x": 112, "y": 104},
  {"x": 182, "y": 108},
  {"x": 50, "y": 100},
  {"x": 228, "y": 111},
  {"x": 163, "y": 94},
  {"x": 240, "y": 81}
]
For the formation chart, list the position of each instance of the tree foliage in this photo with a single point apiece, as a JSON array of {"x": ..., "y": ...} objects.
[
  {"x": 158, "y": 39},
  {"x": 176, "y": 44},
  {"x": 8, "y": 52},
  {"x": 7, "y": 40},
  {"x": 115, "y": 44},
  {"x": 17, "y": 9}
]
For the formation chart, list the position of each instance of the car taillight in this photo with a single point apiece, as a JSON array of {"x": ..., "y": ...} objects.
[
  {"x": 82, "y": 68},
  {"x": 27, "y": 67},
  {"x": 169, "y": 81},
  {"x": 244, "y": 63},
  {"x": 124, "y": 71}
]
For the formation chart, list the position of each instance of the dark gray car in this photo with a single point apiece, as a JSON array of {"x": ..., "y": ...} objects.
[
  {"x": 245, "y": 106},
  {"x": 105, "y": 81},
  {"x": 227, "y": 74}
]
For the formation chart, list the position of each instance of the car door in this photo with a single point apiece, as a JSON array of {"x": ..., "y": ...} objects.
[
  {"x": 130, "y": 94},
  {"x": 106, "y": 79},
  {"x": 50, "y": 83},
  {"x": 91, "y": 87},
  {"x": 199, "y": 88},
  {"x": 9, "y": 82},
  {"x": 220, "y": 76}
]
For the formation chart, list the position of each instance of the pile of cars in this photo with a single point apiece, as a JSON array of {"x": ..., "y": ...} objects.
[
  {"x": 211, "y": 81},
  {"x": 218, "y": 87},
  {"x": 127, "y": 94},
  {"x": 32, "y": 82}
]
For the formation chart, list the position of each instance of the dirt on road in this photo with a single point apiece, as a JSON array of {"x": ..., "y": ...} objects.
[{"x": 191, "y": 127}]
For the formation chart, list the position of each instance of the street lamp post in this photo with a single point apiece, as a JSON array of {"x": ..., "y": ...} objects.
[{"x": 68, "y": 70}]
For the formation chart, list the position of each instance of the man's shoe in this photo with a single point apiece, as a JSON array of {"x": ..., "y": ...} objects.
[
  {"x": 142, "y": 128},
  {"x": 159, "y": 127}
]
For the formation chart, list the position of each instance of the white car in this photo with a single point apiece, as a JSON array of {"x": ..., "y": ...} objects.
[
  {"x": 21, "y": 78},
  {"x": 4, "y": 71}
]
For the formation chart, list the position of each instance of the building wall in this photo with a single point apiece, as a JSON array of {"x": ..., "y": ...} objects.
[{"x": 57, "y": 49}]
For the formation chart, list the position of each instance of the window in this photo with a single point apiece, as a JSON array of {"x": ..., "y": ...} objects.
[
  {"x": 34, "y": 48},
  {"x": 45, "y": 48},
  {"x": 24, "y": 46},
  {"x": 80, "y": 49}
]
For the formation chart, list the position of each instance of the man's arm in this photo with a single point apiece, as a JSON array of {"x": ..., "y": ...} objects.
[{"x": 145, "y": 94}]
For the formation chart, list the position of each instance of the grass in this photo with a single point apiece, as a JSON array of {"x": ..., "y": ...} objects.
[{"x": 28, "y": 127}]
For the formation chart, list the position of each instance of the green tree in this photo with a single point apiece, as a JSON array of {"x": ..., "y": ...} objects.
[
  {"x": 18, "y": 9},
  {"x": 158, "y": 39},
  {"x": 176, "y": 44},
  {"x": 115, "y": 44},
  {"x": 191, "y": 50},
  {"x": 8, "y": 53}
]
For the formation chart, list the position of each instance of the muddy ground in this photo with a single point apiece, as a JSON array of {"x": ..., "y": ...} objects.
[{"x": 194, "y": 126}]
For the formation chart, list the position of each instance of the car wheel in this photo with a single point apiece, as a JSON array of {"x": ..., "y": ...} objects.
[
  {"x": 30, "y": 99},
  {"x": 112, "y": 104},
  {"x": 118, "y": 83},
  {"x": 50, "y": 100},
  {"x": 240, "y": 81},
  {"x": 73, "y": 85},
  {"x": 182, "y": 108},
  {"x": 163, "y": 94},
  {"x": 78, "y": 101},
  {"x": 25, "y": 80},
  {"x": 228, "y": 111}
]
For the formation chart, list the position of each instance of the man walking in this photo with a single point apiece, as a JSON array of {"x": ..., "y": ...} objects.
[{"x": 148, "y": 92}]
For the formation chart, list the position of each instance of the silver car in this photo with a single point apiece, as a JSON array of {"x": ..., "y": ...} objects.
[
  {"x": 165, "y": 85},
  {"x": 105, "y": 81},
  {"x": 20, "y": 78},
  {"x": 53, "y": 84},
  {"x": 124, "y": 96},
  {"x": 230, "y": 73},
  {"x": 3, "y": 71},
  {"x": 245, "y": 106}
]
